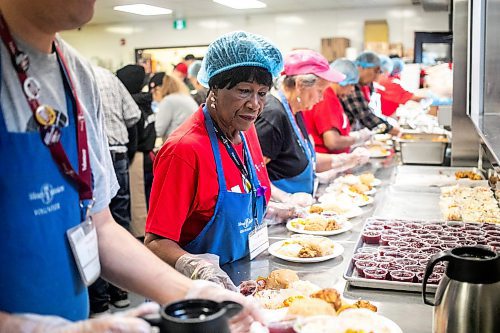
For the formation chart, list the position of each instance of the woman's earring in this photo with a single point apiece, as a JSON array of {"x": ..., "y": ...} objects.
[
  {"x": 212, "y": 105},
  {"x": 299, "y": 100}
]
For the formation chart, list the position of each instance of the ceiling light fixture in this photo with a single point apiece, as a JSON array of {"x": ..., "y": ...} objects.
[
  {"x": 142, "y": 9},
  {"x": 241, "y": 4}
]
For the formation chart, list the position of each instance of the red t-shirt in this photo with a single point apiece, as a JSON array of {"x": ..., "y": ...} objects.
[
  {"x": 185, "y": 186},
  {"x": 392, "y": 96},
  {"x": 324, "y": 116}
]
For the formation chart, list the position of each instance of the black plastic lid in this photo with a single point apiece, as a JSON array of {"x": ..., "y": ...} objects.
[{"x": 474, "y": 264}]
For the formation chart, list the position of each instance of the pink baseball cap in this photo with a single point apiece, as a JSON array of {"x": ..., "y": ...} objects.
[{"x": 310, "y": 62}]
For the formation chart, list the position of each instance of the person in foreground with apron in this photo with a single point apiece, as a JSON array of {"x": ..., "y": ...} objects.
[
  {"x": 327, "y": 122},
  {"x": 286, "y": 145},
  {"x": 57, "y": 234},
  {"x": 213, "y": 215}
]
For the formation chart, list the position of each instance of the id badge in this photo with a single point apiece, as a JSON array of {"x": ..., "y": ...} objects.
[
  {"x": 258, "y": 240},
  {"x": 83, "y": 241}
]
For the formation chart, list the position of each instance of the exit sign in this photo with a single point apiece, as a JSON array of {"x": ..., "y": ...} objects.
[{"x": 180, "y": 24}]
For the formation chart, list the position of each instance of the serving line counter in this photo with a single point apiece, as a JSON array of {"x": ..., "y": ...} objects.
[{"x": 405, "y": 308}]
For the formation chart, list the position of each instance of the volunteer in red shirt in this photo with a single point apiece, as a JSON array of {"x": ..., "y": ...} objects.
[
  {"x": 392, "y": 94},
  {"x": 327, "y": 122},
  {"x": 210, "y": 185}
]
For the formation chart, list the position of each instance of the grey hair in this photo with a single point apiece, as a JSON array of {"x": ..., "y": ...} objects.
[{"x": 307, "y": 80}]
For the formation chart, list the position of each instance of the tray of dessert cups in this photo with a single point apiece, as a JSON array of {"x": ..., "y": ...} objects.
[{"x": 393, "y": 253}]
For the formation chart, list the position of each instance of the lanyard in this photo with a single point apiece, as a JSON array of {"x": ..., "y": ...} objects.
[
  {"x": 234, "y": 156},
  {"x": 45, "y": 117},
  {"x": 301, "y": 140}
]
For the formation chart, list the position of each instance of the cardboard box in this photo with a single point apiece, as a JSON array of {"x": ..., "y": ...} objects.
[
  {"x": 334, "y": 48},
  {"x": 397, "y": 49},
  {"x": 378, "y": 47}
]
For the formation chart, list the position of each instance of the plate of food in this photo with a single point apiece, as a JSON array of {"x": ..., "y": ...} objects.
[
  {"x": 319, "y": 225},
  {"x": 365, "y": 178},
  {"x": 378, "y": 151},
  {"x": 330, "y": 208},
  {"x": 352, "y": 320},
  {"x": 359, "y": 189},
  {"x": 359, "y": 200},
  {"x": 306, "y": 249}
]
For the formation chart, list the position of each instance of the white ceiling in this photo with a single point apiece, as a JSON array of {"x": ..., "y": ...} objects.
[{"x": 104, "y": 13}]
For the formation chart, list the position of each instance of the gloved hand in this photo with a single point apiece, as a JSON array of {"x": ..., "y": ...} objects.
[
  {"x": 121, "y": 322},
  {"x": 342, "y": 162},
  {"x": 204, "y": 267},
  {"x": 361, "y": 136},
  {"x": 327, "y": 177},
  {"x": 301, "y": 199},
  {"x": 279, "y": 212},
  {"x": 362, "y": 155},
  {"x": 242, "y": 321}
]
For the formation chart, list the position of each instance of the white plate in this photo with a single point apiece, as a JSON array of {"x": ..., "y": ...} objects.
[
  {"x": 362, "y": 203},
  {"x": 346, "y": 226},
  {"x": 353, "y": 213},
  {"x": 273, "y": 250},
  {"x": 346, "y": 189},
  {"x": 376, "y": 154},
  {"x": 336, "y": 324},
  {"x": 376, "y": 182}
]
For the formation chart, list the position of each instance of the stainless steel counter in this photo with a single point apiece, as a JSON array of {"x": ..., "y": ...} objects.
[{"x": 404, "y": 308}]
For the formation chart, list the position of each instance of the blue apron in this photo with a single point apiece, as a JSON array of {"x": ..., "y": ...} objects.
[
  {"x": 304, "y": 181},
  {"x": 226, "y": 234},
  {"x": 38, "y": 204}
]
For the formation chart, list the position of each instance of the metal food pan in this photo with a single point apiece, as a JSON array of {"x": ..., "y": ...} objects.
[
  {"x": 351, "y": 276},
  {"x": 423, "y": 148}
]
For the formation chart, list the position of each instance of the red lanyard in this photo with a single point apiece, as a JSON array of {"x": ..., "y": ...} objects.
[{"x": 45, "y": 117}]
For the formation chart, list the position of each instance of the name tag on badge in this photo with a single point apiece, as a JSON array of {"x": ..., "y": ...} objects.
[
  {"x": 83, "y": 241},
  {"x": 258, "y": 240}
]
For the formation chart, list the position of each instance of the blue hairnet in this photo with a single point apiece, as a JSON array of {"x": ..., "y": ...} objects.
[
  {"x": 237, "y": 49},
  {"x": 368, "y": 59},
  {"x": 386, "y": 64},
  {"x": 397, "y": 67},
  {"x": 348, "y": 68},
  {"x": 194, "y": 68}
]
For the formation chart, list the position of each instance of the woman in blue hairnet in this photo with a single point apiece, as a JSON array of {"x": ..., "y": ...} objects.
[
  {"x": 327, "y": 122},
  {"x": 392, "y": 94},
  {"x": 287, "y": 147},
  {"x": 210, "y": 184}
]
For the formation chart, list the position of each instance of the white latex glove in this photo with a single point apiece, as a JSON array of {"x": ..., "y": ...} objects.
[
  {"x": 362, "y": 155},
  {"x": 361, "y": 136},
  {"x": 241, "y": 322},
  {"x": 301, "y": 199},
  {"x": 121, "y": 322},
  {"x": 280, "y": 212},
  {"x": 204, "y": 267},
  {"x": 342, "y": 162},
  {"x": 327, "y": 177}
]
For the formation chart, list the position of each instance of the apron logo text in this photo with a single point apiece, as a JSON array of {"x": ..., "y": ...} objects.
[
  {"x": 46, "y": 193},
  {"x": 246, "y": 225}
]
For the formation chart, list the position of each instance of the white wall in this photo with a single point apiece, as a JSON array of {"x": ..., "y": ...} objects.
[{"x": 290, "y": 30}]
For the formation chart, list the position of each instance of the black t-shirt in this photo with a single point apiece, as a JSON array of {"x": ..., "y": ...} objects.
[{"x": 279, "y": 142}]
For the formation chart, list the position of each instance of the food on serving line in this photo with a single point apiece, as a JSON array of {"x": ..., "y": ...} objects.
[
  {"x": 378, "y": 150},
  {"x": 367, "y": 178},
  {"x": 333, "y": 207},
  {"x": 329, "y": 295},
  {"x": 361, "y": 304},
  {"x": 281, "y": 279},
  {"x": 468, "y": 174},
  {"x": 306, "y": 307},
  {"x": 317, "y": 223},
  {"x": 359, "y": 188},
  {"x": 305, "y": 246},
  {"x": 469, "y": 204},
  {"x": 283, "y": 288}
]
